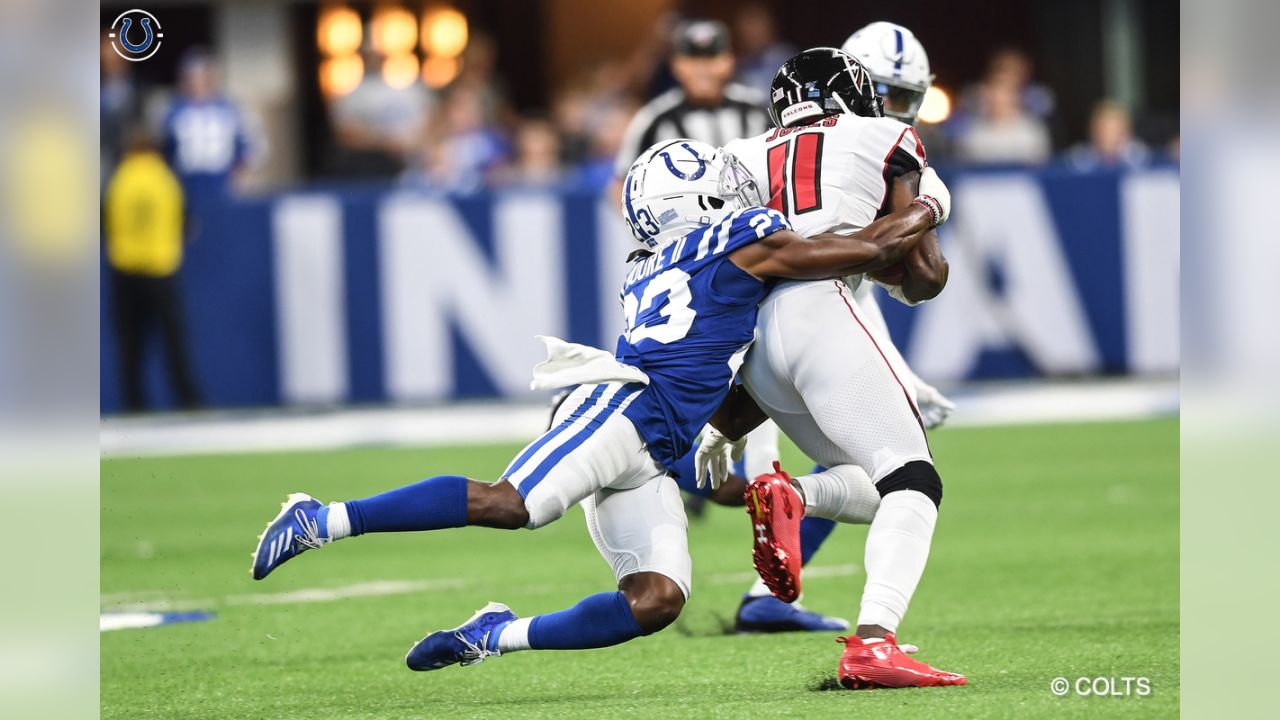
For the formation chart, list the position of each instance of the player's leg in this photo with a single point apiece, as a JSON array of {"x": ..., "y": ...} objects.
[
  {"x": 642, "y": 533},
  {"x": 862, "y": 404},
  {"x": 934, "y": 407},
  {"x": 590, "y": 446},
  {"x": 814, "y": 531},
  {"x": 895, "y": 453},
  {"x": 785, "y": 541},
  {"x": 843, "y": 494},
  {"x": 863, "y": 417},
  {"x": 759, "y": 610}
]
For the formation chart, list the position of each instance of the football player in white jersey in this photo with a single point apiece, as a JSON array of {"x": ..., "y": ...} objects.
[
  {"x": 819, "y": 369},
  {"x": 898, "y": 65}
]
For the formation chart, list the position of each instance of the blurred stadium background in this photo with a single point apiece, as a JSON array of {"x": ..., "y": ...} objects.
[{"x": 388, "y": 200}]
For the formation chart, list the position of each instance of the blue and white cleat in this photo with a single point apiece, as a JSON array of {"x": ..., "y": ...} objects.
[
  {"x": 768, "y": 614},
  {"x": 468, "y": 644},
  {"x": 292, "y": 532}
]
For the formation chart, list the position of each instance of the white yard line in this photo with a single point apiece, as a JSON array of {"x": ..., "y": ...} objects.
[
  {"x": 478, "y": 423},
  {"x": 127, "y": 608},
  {"x": 151, "y": 601}
]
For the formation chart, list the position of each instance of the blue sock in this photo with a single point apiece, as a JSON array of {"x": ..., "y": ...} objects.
[
  {"x": 431, "y": 504},
  {"x": 597, "y": 621},
  {"x": 813, "y": 532}
]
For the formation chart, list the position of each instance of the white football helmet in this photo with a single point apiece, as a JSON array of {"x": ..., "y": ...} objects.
[
  {"x": 678, "y": 185},
  {"x": 897, "y": 63}
]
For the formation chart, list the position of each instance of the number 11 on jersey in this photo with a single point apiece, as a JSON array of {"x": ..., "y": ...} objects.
[{"x": 795, "y": 174}]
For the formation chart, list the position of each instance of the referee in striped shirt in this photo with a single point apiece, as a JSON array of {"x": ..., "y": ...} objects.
[{"x": 706, "y": 107}]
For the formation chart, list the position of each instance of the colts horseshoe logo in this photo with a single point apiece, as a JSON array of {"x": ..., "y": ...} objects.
[
  {"x": 702, "y": 164},
  {"x": 125, "y": 38}
]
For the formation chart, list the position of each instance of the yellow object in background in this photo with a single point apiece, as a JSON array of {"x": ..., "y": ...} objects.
[
  {"x": 47, "y": 186},
  {"x": 144, "y": 217}
]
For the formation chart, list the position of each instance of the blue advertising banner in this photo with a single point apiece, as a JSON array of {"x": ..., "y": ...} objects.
[{"x": 388, "y": 295}]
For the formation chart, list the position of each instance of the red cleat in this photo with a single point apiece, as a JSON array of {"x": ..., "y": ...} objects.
[
  {"x": 885, "y": 665},
  {"x": 776, "y": 509}
]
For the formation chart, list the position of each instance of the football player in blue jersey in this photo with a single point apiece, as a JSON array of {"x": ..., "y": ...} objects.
[
  {"x": 758, "y": 610},
  {"x": 690, "y": 300}
]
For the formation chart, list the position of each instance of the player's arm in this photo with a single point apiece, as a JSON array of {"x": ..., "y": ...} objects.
[
  {"x": 925, "y": 269},
  {"x": 886, "y": 241},
  {"x": 738, "y": 414}
]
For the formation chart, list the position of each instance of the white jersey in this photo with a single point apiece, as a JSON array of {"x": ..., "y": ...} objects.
[{"x": 834, "y": 175}]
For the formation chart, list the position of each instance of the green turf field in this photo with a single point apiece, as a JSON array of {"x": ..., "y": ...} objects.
[{"x": 1056, "y": 554}]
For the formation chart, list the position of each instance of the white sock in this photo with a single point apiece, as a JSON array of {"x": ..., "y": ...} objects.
[
  {"x": 758, "y": 589},
  {"x": 515, "y": 636},
  {"x": 843, "y": 493},
  {"x": 338, "y": 525},
  {"x": 762, "y": 450},
  {"x": 897, "y": 549}
]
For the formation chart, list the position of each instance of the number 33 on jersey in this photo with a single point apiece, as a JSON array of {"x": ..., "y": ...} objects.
[{"x": 690, "y": 316}]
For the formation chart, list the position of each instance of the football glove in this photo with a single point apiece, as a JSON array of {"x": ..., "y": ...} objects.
[
  {"x": 934, "y": 407},
  {"x": 715, "y": 457},
  {"x": 934, "y": 195}
]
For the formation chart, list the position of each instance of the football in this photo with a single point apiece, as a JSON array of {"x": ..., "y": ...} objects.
[{"x": 891, "y": 275}]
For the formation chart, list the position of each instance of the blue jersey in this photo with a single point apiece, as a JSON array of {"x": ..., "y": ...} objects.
[
  {"x": 204, "y": 141},
  {"x": 691, "y": 315}
]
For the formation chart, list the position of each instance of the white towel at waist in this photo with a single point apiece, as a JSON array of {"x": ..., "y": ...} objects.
[{"x": 573, "y": 364}]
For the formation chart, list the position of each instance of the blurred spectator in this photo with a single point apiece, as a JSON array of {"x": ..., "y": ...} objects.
[
  {"x": 466, "y": 151},
  {"x": 120, "y": 106},
  {"x": 378, "y": 126},
  {"x": 1015, "y": 66},
  {"x": 609, "y": 128},
  {"x": 143, "y": 208},
  {"x": 706, "y": 107},
  {"x": 592, "y": 101},
  {"x": 537, "y": 161},
  {"x": 760, "y": 53},
  {"x": 479, "y": 75},
  {"x": 572, "y": 114},
  {"x": 206, "y": 137},
  {"x": 1003, "y": 131},
  {"x": 1111, "y": 143}
]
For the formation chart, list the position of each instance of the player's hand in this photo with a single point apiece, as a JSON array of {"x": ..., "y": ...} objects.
[
  {"x": 934, "y": 407},
  {"x": 716, "y": 455},
  {"x": 934, "y": 195}
]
